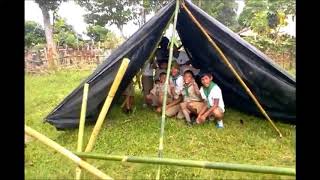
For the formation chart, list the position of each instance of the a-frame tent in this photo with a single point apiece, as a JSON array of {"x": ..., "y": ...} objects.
[{"x": 274, "y": 88}]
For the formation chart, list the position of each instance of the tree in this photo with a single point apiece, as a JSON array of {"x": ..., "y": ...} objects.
[
  {"x": 110, "y": 12},
  {"x": 46, "y": 6},
  {"x": 266, "y": 18},
  {"x": 97, "y": 33},
  {"x": 64, "y": 34},
  {"x": 225, "y": 11},
  {"x": 33, "y": 34},
  {"x": 266, "y": 14}
]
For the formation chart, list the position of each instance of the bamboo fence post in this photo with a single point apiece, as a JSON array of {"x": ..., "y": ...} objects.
[
  {"x": 81, "y": 124},
  {"x": 224, "y": 58},
  {"x": 163, "y": 116},
  {"x": 83, "y": 164},
  {"x": 193, "y": 163},
  {"x": 107, "y": 103}
]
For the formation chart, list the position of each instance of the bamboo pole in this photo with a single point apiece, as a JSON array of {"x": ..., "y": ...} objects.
[
  {"x": 83, "y": 164},
  {"x": 193, "y": 163},
  {"x": 163, "y": 116},
  {"x": 81, "y": 124},
  {"x": 107, "y": 103},
  {"x": 224, "y": 58}
]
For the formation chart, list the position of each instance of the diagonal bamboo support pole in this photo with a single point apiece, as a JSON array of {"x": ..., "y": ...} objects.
[
  {"x": 224, "y": 58},
  {"x": 81, "y": 124},
  {"x": 107, "y": 103},
  {"x": 163, "y": 116},
  {"x": 65, "y": 152},
  {"x": 193, "y": 163}
]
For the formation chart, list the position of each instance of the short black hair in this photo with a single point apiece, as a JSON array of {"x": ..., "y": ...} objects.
[
  {"x": 164, "y": 42},
  {"x": 205, "y": 74},
  {"x": 188, "y": 71},
  {"x": 162, "y": 73}
]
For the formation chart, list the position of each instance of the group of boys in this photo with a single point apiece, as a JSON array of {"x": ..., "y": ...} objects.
[{"x": 185, "y": 100}]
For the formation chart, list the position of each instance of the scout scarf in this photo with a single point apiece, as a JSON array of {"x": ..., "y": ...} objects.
[
  {"x": 207, "y": 91},
  {"x": 185, "y": 88}
]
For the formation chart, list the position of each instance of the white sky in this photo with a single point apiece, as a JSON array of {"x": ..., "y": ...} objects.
[{"x": 73, "y": 14}]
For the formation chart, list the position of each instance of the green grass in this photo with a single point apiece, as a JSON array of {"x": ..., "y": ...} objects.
[{"x": 254, "y": 142}]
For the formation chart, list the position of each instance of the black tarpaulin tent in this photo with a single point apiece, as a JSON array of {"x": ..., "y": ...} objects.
[{"x": 274, "y": 88}]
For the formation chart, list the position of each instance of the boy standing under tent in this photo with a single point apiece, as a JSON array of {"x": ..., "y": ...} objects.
[
  {"x": 147, "y": 81},
  {"x": 128, "y": 94},
  {"x": 155, "y": 97},
  {"x": 212, "y": 95}
]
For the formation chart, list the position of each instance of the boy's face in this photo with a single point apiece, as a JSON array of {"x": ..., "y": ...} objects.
[
  {"x": 187, "y": 77},
  {"x": 205, "y": 80},
  {"x": 162, "y": 78},
  {"x": 174, "y": 71}
]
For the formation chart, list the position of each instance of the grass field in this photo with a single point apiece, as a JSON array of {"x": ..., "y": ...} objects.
[{"x": 254, "y": 142}]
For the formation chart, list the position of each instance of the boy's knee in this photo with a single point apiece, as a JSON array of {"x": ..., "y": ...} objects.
[
  {"x": 182, "y": 105},
  {"x": 217, "y": 113}
]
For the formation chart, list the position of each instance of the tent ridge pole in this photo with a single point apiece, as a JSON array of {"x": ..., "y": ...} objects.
[{"x": 215, "y": 46}]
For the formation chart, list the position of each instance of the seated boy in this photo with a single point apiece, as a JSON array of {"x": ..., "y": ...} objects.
[
  {"x": 212, "y": 95},
  {"x": 190, "y": 99},
  {"x": 157, "y": 93}
]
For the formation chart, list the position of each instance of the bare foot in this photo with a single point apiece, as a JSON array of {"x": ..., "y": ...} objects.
[{"x": 158, "y": 109}]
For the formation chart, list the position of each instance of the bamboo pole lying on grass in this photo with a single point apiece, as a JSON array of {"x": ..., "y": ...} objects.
[
  {"x": 83, "y": 164},
  {"x": 107, "y": 103},
  {"x": 193, "y": 163},
  {"x": 226, "y": 61},
  {"x": 164, "y": 103},
  {"x": 81, "y": 125}
]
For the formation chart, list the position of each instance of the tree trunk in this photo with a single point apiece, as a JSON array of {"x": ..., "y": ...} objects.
[
  {"x": 52, "y": 52},
  {"x": 121, "y": 31}
]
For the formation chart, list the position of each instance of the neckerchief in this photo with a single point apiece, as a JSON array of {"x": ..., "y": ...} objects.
[
  {"x": 185, "y": 88},
  {"x": 174, "y": 79},
  {"x": 207, "y": 91}
]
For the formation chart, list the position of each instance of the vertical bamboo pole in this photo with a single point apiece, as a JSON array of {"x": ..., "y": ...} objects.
[
  {"x": 224, "y": 58},
  {"x": 107, "y": 103},
  {"x": 83, "y": 164},
  {"x": 163, "y": 116},
  {"x": 81, "y": 124}
]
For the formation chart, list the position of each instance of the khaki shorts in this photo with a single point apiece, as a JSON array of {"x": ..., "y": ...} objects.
[
  {"x": 129, "y": 91},
  {"x": 175, "y": 110},
  {"x": 197, "y": 106},
  {"x": 155, "y": 100}
]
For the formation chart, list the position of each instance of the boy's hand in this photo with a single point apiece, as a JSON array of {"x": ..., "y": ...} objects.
[{"x": 200, "y": 119}]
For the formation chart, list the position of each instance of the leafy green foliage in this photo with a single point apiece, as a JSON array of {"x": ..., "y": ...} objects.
[
  {"x": 97, "y": 32},
  {"x": 266, "y": 17},
  {"x": 110, "y": 12},
  {"x": 64, "y": 34},
  {"x": 272, "y": 11},
  {"x": 222, "y": 10},
  {"x": 49, "y": 4},
  {"x": 33, "y": 34}
]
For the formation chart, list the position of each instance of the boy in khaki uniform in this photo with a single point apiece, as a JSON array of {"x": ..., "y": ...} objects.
[
  {"x": 157, "y": 92},
  {"x": 190, "y": 99}
]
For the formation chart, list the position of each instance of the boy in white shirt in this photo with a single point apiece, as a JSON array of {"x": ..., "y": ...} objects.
[{"x": 212, "y": 95}]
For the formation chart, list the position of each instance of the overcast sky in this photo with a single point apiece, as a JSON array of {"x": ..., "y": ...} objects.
[{"x": 73, "y": 14}]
